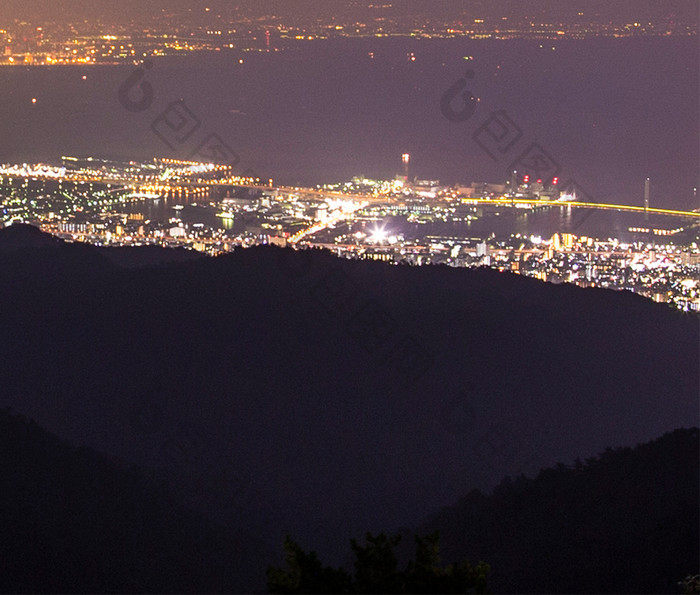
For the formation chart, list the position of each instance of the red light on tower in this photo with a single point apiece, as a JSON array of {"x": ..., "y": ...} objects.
[
  {"x": 526, "y": 179},
  {"x": 555, "y": 181}
]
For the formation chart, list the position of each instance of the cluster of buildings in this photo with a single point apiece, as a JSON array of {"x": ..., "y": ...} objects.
[
  {"x": 202, "y": 207},
  {"x": 664, "y": 272}
]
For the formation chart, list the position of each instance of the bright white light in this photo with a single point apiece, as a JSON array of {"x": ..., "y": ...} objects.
[{"x": 378, "y": 235}]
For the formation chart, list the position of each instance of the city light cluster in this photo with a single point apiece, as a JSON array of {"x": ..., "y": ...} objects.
[
  {"x": 176, "y": 32},
  {"x": 209, "y": 208}
]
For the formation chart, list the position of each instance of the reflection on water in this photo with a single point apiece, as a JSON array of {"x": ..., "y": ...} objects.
[
  {"x": 544, "y": 223},
  {"x": 201, "y": 207},
  {"x": 341, "y": 114},
  {"x": 196, "y": 206}
]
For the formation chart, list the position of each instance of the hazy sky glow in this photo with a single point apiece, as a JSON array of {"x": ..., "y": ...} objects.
[{"x": 129, "y": 9}]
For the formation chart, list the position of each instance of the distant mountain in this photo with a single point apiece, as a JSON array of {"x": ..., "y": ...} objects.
[
  {"x": 285, "y": 391},
  {"x": 627, "y": 521}
]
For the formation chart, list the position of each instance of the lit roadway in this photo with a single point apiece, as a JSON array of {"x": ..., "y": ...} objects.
[{"x": 578, "y": 204}]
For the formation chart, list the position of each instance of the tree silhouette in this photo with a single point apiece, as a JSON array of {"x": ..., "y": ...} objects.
[
  {"x": 376, "y": 570},
  {"x": 690, "y": 584},
  {"x": 626, "y": 521},
  {"x": 426, "y": 574},
  {"x": 305, "y": 573}
]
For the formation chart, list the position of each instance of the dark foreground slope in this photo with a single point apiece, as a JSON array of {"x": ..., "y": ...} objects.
[
  {"x": 292, "y": 391},
  {"x": 624, "y": 522},
  {"x": 73, "y": 522}
]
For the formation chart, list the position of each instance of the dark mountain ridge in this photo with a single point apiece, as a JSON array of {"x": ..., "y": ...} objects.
[
  {"x": 73, "y": 521},
  {"x": 626, "y": 521},
  {"x": 283, "y": 391}
]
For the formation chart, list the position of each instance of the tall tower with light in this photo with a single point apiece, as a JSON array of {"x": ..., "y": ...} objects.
[
  {"x": 405, "y": 159},
  {"x": 646, "y": 199}
]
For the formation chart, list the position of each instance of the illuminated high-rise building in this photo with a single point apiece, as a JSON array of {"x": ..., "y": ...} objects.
[
  {"x": 405, "y": 159},
  {"x": 556, "y": 242}
]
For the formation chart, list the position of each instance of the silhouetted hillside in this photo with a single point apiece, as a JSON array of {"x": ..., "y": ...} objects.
[
  {"x": 72, "y": 522},
  {"x": 22, "y": 237},
  {"x": 624, "y": 522},
  {"x": 292, "y": 392},
  {"x": 27, "y": 238}
]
